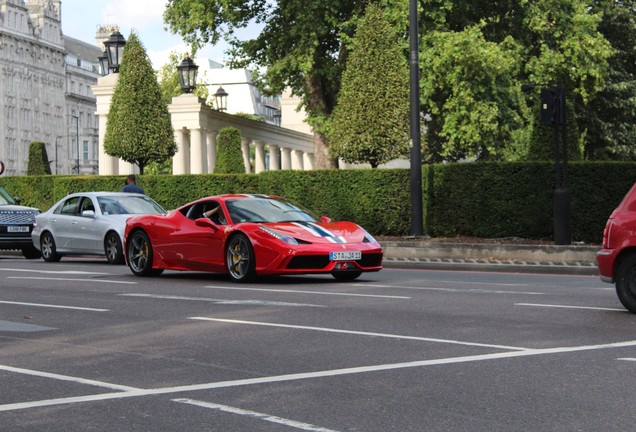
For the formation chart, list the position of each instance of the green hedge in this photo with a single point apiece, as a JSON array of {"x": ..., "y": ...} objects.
[{"x": 491, "y": 200}]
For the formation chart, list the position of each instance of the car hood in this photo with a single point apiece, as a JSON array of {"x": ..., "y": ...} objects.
[
  {"x": 17, "y": 208},
  {"x": 320, "y": 232}
]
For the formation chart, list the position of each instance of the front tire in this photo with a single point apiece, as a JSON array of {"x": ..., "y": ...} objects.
[
  {"x": 48, "y": 249},
  {"x": 140, "y": 255},
  {"x": 113, "y": 249},
  {"x": 626, "y": 283},
  {"x": 240, "y": 259}
]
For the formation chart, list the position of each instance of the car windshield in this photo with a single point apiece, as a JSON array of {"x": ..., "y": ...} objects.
[
  {"x": 5, "y": 198},
  {"x": 132, "y": 204},
  {"x": 267, "y": 210}
]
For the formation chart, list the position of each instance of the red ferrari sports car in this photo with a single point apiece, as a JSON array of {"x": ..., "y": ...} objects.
[{"x": 248, "y": 235}]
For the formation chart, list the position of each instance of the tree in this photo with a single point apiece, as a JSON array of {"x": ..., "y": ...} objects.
[
  {"x": 300, "y": 47},
  {"x": 609, "y": 117},
  {"x": 139, "y": 129},
  {"x": 470, "y": 93},
  {"x": 370, "y": 123},
  {"x": 229, "y": 155},
  {"x": 38, "y": 159}
]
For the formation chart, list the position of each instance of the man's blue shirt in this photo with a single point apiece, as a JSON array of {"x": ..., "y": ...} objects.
[{"x": 133, "y": 188}]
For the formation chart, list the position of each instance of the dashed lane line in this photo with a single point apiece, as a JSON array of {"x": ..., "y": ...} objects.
[
  {"x": 256, "y": 415},
  {"x": 570, "y": 307},
  {"x": 108, "y": 281},
  {"x": 305, "y": 292},
  {"x": 44, "y": 305}
]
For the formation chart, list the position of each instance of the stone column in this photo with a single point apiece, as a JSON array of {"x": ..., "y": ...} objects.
[
  {"x": 103, "y": 91},
  {"x": 127, "y": 167},
  {"x": 211, "y": 150},
  {"x": 297, "y": 160},
  {"x": 259, "y": 161},
  {"x": 181, "y": 159},
  {"x": 245, "y": 147},
  {"x": 198, "y": 152},
  {"x": 286, "y": 156},
  {"x": 274, "y": 157},
  {"x": 308, "y": 161}
]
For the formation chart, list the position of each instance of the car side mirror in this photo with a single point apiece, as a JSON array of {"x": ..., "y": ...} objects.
[
  {"x": 88, "y": 213},
  {"x": 325, "y": 219},
  {"x": 17, "y": 200},
  {"x": 205, "y": 222}
]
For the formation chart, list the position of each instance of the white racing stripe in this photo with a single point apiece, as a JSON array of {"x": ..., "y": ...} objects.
[
  {"x": 254, "y": 414},
  {"x": 360, "y": 333},
  {"x": 54, "y": 306},
  {"x": 304, "y": 292}
]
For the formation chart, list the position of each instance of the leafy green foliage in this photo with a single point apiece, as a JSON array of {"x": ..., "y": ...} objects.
[
  {"x": 38, "y": 163},
  {"x": 229, "y": 155},
  {"x": 370, "y": 123},
  {"x": 139, "y": 129},
  {"x": 470, "y": 93}
]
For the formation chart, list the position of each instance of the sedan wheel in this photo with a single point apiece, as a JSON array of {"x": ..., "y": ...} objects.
[
  {"x": 140, "y": 255},
  {"x": 626, "y": 283},
  {"x": 240, "y": 259},
  {"x": 113, "y": 249},
  {"x": 47, "y": 247}
]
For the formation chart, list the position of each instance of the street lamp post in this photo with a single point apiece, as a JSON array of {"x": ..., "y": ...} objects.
[
  {"x": 416, "y": 153},
  {"x": 76, "y": 118}
]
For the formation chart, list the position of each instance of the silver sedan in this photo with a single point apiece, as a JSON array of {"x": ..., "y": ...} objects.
[{"x": 89, "y": 223}]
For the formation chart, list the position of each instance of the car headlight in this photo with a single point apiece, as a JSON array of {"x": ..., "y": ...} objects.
[
  {"x": 282, "y": 237},
  {"x": 368, "y": 238}
]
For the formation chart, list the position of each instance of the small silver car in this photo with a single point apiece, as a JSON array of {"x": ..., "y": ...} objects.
[{"x": 89, "y": 223}]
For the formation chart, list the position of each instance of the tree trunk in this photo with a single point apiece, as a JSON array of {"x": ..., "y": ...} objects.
[
  {"x": 318, "y": 105},
  {"x": 322, "y": 160}
]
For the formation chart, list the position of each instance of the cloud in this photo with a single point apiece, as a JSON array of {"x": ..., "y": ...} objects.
[{"x": 137, "y": 14}]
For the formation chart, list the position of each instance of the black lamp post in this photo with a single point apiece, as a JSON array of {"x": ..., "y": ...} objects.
[
  {"x": 417, "y": 211},
  {"x": 103, "y": 63},
  {"x": 115, "y": 50},
  {"x": 553, "y": 112},
  {"x": 220, "y": 99},
  {"x": 187, "y": 75}
]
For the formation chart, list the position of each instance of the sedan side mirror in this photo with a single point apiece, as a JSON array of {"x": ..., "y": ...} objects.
[
  {"x": 17, "y": 200},
  {"x": 205, "y": 222},
  {"x": 88, "y": 213}
]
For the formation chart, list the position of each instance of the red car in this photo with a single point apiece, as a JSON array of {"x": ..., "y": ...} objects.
[
  {"x": 248, "y": 235},
  {"x": 617, "y": 260}
]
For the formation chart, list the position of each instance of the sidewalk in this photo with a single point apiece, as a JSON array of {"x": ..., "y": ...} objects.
[{"x": 497, "y": 256}]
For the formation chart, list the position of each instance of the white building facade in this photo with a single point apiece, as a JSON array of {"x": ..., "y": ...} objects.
[{"x": 45, "y": 89}]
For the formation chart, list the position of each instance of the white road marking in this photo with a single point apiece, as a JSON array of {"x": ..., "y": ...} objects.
[
  {"x": 220, "y": 301},
  {"x": 54, "y": 306},
  {"x": 108, "y": 281},
  {"x": 256, "y": 415},
  {"x": 68, "y": 272},
  {"x": 304, "y": 292},
  {"x": 467, "y": 290},
  {"x": 627, "y": 359},
  {"x": 66, "y": 378},
  {"x": 361, "y": 333},
  {"x": 569, "y": 307},
  {"x": 311, "y": 375}
]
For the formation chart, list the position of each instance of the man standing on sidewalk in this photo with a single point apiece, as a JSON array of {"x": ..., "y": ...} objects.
[{"x": 131, "y": 185}]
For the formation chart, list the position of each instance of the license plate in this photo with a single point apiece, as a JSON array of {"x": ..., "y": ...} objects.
[
  {"x": 345, "y": 256},
  {"x": 15, "y": 229}
]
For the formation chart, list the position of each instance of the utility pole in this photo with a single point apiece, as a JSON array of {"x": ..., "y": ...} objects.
[{"x": 417, "y": 218}]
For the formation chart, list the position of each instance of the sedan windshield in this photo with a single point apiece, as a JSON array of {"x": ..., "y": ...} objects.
[
  {"x": 128, "y": 205},
  {"x": 267, "y": 210}
]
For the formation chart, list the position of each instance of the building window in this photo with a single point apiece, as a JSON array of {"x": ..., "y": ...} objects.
[{"x": 85, "y": 150}]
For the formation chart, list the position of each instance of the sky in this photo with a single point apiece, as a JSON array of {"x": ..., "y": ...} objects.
[{"x": 81, "y": 18}]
